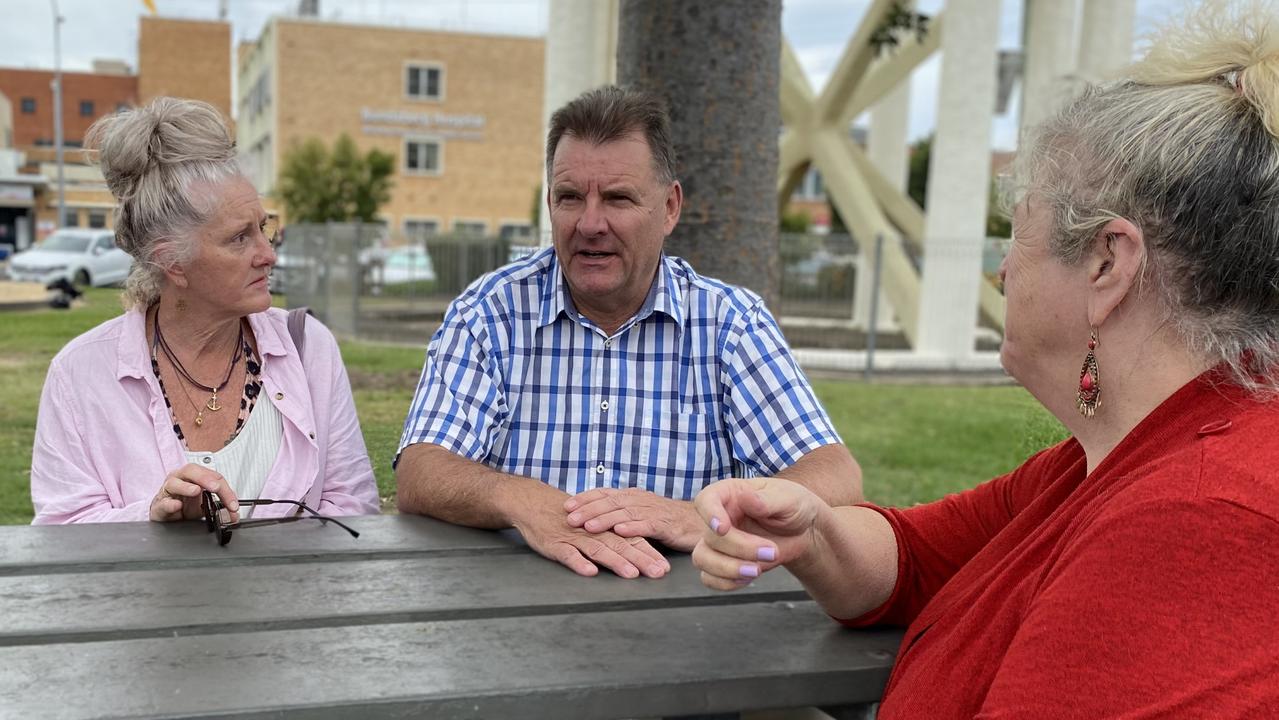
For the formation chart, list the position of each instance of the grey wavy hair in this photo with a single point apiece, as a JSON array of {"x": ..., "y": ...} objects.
[
  {"x": 1187, "y": 148},
  {"x": 154, "y": 159}
]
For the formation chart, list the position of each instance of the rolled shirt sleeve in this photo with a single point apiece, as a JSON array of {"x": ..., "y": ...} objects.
[
  {"x": 770, "y": 409},
  {"x": 458, "y": 403}
]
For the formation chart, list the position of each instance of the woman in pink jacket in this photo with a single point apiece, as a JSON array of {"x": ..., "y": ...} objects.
[{"x": 199, "y": 385}]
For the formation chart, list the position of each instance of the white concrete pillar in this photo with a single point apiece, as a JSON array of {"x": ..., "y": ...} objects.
[
  {"x": 959, "y": 180},
  {"x": 1049, "y": 44},
  {"x": 1105, "y": 43},
  {"x": 581, "y": 53},
  {"x": 886, "y": 148}
]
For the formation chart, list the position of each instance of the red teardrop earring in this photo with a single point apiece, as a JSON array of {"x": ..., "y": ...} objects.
[{"x": 1089, "y": 398}]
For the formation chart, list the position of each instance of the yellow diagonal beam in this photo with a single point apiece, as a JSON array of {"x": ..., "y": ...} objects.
[
  {"x": 881, "y": 79},
  {"x": 792, "y": 162},
  {"x": 852, "y": 65},
  {"x": 848, "y": 190},
  {"x": 900, "y": 207},
  {"x": 797, "y": 94}
]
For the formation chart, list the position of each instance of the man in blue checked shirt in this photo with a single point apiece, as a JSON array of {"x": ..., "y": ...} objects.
[{"x": 585, "y": 394}]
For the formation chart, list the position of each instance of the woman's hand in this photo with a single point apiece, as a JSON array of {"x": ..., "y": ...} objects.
[
  {"x": 179, "y": 495},
  {"x": 752, "y": 526}
]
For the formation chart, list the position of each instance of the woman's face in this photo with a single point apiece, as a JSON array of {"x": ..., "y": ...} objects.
[
  {"x": 1046, "y": 312},
  {"x": 229, "y": 272}
]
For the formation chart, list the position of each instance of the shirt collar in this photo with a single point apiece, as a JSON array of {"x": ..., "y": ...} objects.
[
  {"x": 133, "y": 355},
  {"x": 664, "y": 296}
]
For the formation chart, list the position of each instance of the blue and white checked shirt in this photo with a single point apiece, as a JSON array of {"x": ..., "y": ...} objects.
[{"x": 697, "y": 387}]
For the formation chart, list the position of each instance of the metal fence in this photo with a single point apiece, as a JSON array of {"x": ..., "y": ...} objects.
[{"x": 365, "y": 281}]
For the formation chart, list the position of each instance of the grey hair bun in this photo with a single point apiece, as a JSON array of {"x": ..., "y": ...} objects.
[{"x": 150, "y": 158}]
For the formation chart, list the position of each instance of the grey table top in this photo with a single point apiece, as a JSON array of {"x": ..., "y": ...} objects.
[{"x": 413, "y": 618}]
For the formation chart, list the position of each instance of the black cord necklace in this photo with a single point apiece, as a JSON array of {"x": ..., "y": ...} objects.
[{"x": 212, "y": 404}]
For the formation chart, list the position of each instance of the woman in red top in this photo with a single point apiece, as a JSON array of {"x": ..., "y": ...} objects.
[{"x": 1133, "y": 570}]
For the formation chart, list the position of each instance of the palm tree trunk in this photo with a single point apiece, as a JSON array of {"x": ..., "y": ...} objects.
[{"x": 717, "y": 65}]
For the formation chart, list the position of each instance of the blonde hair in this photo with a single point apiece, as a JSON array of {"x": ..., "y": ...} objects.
[
  {"x": 1187, "y": 148},
  {"x": 153, "y": 159}
]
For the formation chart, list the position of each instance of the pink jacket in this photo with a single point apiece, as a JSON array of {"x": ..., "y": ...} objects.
[{"x": 104, "y": 439}]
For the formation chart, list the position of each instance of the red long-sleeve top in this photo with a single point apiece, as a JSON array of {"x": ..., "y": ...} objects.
[{"x": 1148, "y": 589}]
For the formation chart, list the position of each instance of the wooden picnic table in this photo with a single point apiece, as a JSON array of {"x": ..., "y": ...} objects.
[{"x": 413, "y": 618}]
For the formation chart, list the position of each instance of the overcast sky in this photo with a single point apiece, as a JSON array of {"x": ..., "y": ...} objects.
[{"x": 817, "y": 29}]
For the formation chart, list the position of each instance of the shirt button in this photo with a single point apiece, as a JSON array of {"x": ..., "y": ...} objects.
[
  {"x": 279, "y": 396},
  {"x": 206, "y": 459},
  {"x": 608, "y": 343},
  {"x": 312, "y": 435},
  {"x": 604, "y": 405},
  {"x": 600, "y": 468}
]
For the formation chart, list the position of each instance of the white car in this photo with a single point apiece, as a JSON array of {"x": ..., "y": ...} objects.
[{"x": 85, "y": 257}]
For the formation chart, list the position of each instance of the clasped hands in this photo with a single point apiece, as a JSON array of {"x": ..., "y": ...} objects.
[
  {"x": 611, "y": 528},
  {"x": 736, "y": 530}
]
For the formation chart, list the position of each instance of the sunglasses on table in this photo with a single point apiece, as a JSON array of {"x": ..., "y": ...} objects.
[{"x": 218, "y": 519}]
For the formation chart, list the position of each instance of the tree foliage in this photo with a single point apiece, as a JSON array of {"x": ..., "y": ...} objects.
[
  {"x": 997, "y": 222},
  {"x": 340, "y": 185},
  {"x": 917, "y": 180},
  {"x": 899, "y": 20}
]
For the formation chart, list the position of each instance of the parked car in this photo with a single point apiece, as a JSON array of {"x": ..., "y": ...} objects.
[
  {"x": 83, "y": 257},
  {"x": 394, "y": 266}
]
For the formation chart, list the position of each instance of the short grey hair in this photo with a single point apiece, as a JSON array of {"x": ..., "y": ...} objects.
[
  {"x": 611, "y": 113},
  {"x": 1186, "y": 148},
  {"x": 153, "y": 159}
]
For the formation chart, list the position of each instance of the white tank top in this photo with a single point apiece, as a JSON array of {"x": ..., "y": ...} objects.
[{"x": 247, "y": 459}]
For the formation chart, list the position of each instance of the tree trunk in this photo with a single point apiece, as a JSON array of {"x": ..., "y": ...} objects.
[{"x": 717, "y": 66}]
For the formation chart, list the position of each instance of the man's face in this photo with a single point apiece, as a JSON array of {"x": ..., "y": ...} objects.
[{"x": 609, "y": 217}]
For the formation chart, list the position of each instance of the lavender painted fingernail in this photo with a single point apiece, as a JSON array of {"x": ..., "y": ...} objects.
[
  {"x": 749, "y": 571},
  {"x": 714, "y": 524},
  {"x": 767, "y": 554}
]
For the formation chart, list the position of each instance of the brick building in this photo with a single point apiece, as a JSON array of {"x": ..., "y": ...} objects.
[
  {"x": 85, "y": 98},
  {"x": 462, "y": 114},
  {"x": 181, "y": 58},
  {"x": 185, "y": 58}
]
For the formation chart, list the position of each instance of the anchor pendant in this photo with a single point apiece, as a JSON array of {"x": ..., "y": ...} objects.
[{"x": 212, "y": 404}]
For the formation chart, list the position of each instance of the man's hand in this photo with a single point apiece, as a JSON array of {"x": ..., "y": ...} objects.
[
  {"x": 634, "y": 513},
  {"x": 545, "y": 530}
]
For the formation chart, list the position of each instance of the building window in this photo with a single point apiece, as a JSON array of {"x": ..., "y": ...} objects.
[
  {"x": 72, "y": 219},
  {"x": 420, "y": 229},
  {"x": 86, "y": 108},
  {"x": 28, "y": 106},
  {"x": 424, "y": 81},
  {"x": 471, "y": 228},
  {"x": 423, "y": 157},
  {"x": 515, "y": 231},
  {"x": 97, "y": 219}
]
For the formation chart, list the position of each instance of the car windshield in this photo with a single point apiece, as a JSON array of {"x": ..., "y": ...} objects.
[{"x": 65, "y": 242}]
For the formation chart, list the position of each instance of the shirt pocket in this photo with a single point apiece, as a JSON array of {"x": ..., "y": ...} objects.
[{"x": 677, "y": 454}]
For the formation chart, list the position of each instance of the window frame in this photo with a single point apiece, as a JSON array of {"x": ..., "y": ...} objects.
[
  {"x": 404, "y": 226},
  {"x": 24, "y": 103},
  {"x": 439, "y": 155},
  {"x": 410, "y": 66},
  {"x": 484, "y": 229}
]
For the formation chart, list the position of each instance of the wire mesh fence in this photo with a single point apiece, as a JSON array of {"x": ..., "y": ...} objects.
[{"x": 367, "y": 282}]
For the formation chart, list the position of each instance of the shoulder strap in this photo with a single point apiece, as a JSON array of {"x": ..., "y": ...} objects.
[
  {"x": 297, "y": 331},
  {"x": 297, "y": 328}
]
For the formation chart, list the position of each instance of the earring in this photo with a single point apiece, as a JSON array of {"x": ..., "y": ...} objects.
[
  {"x": 180, "y": 305},
  {"x": 1089, "y": 398}
]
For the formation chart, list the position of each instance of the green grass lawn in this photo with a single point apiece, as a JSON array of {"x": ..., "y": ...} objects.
[{"x": 914, "y": 443}]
